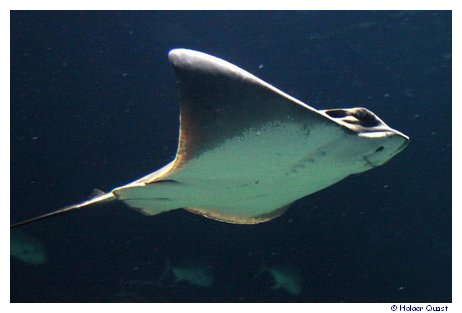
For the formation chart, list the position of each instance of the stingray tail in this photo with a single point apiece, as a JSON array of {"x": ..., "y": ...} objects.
[{"x": 99, "y": 199}]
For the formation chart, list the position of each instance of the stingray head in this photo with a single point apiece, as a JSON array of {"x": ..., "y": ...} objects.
[{"x": 379, "y": 143}]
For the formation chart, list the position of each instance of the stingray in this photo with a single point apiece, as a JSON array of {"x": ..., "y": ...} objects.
[
  {"x": 195, "y": 275},
  {"x": 26, "y": 248},
  {"x": 247, "y": 150},
  {"x": 286, "y": 278},
  {"x": 198, "y": 275}
]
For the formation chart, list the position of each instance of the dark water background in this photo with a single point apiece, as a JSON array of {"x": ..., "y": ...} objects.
[{"x": 94, "y": 104}]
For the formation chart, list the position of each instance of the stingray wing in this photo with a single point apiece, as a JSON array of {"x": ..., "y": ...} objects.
[{"x": 220, "y": 101}]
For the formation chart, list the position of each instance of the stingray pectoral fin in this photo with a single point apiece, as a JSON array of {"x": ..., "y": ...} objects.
[
  {"x": 152, "y": 198},
  {"x": 152, "y": 206},
  {"x": 100, "y": 199},
  {"x": 220, "y": 101},
  {"x": 240, "y": 219}
]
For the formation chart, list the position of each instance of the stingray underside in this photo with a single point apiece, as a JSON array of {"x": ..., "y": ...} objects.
[{"x": 240, "y": 140}]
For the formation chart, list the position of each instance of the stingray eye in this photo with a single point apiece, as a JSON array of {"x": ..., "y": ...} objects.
[
  {"x": 336, "y": 113},
  {"x": 381, "y": 148},
  {"x": 365, "y": 117},
  {"x": 356, "y": 116}
]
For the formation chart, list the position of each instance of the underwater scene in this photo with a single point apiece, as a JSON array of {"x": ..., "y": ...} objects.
[{"x": 342, "y": 197}]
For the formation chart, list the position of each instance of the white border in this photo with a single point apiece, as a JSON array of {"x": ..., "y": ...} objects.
[
  {"x": 232, "y": 5},
  {"x": 227, "y": 5}
]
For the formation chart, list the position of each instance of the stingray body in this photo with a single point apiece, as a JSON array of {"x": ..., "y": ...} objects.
[{"x": 247, "y": 150}]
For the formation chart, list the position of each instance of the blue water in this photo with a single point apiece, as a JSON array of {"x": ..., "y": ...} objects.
[{"x": 94, "y": 105}]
